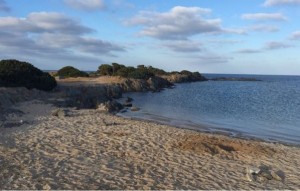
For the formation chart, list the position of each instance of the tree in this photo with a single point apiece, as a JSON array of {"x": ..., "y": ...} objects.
[
  {"x": 116, "y": 67},
  {"x": 70, "y": 71},
  {"x": 105, "y": 70},
  {"x": 14, "y": 73},
  {"x": 124, "y": 72}
]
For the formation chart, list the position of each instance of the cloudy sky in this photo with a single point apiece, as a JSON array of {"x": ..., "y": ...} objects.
[{"x": 209, "y": 36}]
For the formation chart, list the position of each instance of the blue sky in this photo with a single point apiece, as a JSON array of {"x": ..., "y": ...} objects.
[{"x": 209, "y": 36}]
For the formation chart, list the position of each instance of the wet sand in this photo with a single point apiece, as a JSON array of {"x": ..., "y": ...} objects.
[{"x": 89, "y": 149}]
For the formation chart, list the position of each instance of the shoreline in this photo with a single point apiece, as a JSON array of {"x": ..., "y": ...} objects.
[
  {"x": 211, "y": 130},
  {"x": 89, "y": 149}
]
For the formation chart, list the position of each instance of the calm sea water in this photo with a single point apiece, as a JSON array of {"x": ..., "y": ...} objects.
[{"x": 267, "y": 109}]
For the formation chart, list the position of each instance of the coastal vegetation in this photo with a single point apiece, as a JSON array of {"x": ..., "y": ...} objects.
[
  {"x": 69, "y": 71},
  {"x": 14, "y": 73},
  {"x": 145, "y": 72}
]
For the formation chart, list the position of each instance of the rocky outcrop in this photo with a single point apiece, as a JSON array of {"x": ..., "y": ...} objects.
[
  {"x": 113, "y": 106},
  {"x": 11, "y": 96},
  {"x": 157, "y": 83},
  {"x": 138, "y": 85},
  {"x": 184, "y": 78},
  {"x": 88, "y": 96},
  {"x": 134, "y": 85},
  {"x": 81, "y": 95}
]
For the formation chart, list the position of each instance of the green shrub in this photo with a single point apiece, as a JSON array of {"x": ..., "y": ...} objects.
[
  {"x": 140, "y": 73},
  {"x": 14, "y": 73},
  {"x": 70, "y": 71},
  {"x": 105, "y": 70},
  {"x": 124, "y": 72}
]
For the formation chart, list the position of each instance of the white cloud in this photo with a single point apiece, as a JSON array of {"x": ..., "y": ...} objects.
[
  {"x": 3, "y": 6},
  {"x": 49, "y": 36},
  {"x": 268, "y": 46},
  {"x": 248, "y": 51},
  {"x": 268, "y": 3},
  {"x": 86, "y": 5},
  {"x": 264, "y": 17},
  {"x": 43, "y": 22},
  {"x": 273, "y": 45},
  {"x": 212, "y": 59},
  {"x": 178, "y": 23},
  {"x": 262, "y": 28},
  {"x": 295, "y": 35},
  {"x": 82, "y": 44},
  {"x": 183, "y": 46}
]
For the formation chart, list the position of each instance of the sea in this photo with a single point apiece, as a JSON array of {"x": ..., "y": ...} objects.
[{"x": 268, "y": 109}]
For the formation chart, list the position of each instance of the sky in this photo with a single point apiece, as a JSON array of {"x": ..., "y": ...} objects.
[{"x": 209, "y": 36}]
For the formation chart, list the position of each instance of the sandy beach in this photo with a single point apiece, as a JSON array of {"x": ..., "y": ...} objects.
[{"x": 90, "y": 149}]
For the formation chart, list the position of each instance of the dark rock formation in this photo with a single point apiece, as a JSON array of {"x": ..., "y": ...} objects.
[
  {"x": 184, "y": 78},
  {"x": 134, "y": 85},
  {"x": 128, "y": 99},
  {"x": 135, "y": 109},
  {"x": 60, "y": 113},
  {"x": 113, "y": 106},
  {"x": 157, "y": 83},
  {"x": 88, "y": 96},
  {"x": 11, "y": 96},
  {"x": 127, "y": 104}
]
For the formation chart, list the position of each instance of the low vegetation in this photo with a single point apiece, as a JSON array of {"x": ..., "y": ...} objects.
[
  {"x": 69, "y": 71},
  {"x": 142, "y": 72},
  {"x": 14, "y": 73}
]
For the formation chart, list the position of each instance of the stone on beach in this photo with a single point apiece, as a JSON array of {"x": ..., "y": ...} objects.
[
  {"x": 262, "y": 174},
  {"x": 59, "y": 113},
  {"x": 127, "y": 104},
  {"x": 135, "y": 109},
  {"x": 113, "y": 106}
]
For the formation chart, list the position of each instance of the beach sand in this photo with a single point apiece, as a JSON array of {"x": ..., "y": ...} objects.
[{"x": 89, "y": 149}]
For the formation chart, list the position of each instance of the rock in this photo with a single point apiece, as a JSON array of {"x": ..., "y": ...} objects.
[
  {"x": 128, "y": 99},
  {"x": 183, "y": 78},
  {"x": 101, "y": 107},
  {"x": 123, "y": 111},
  {"x": 59, "y": 113},
  {"x": 46, "y": 187},
  {"x": 157, "y": 83},
  {"x": 135, "y": 109},
  {"x": 261, "y": 179},
  {"x": 253, "y": 170},
  {"x": 262, "y": 174},
  {"x": 265, "y": 174},
  {"x": 127, "y": 104},
  {"x": 275, "y": 176},
  {"x": 113, "y": 106},
  {"x": 135, "y": 85}
]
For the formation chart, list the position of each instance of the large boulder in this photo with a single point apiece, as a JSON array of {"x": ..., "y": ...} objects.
[
  {"x": 14, "y": 73},
  {"x": 157, "y": 83},
  {"x": 113, "y": 106},
  {"x": 134, "y": 85}
]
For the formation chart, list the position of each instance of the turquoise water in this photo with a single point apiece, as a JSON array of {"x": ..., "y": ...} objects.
[{"x": 267, "y": 109}]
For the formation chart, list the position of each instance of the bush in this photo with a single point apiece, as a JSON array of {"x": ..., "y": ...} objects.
[
  {"x": 14, "y": 73},
  {"x": 140, "y": 73},
  {"x": 105, "y": 70},
  {"x": 71, "y": 72},
  {"x": 124, "y": 72}
]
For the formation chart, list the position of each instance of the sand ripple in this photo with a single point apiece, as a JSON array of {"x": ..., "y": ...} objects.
[{"x": 93, "y": 150}]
